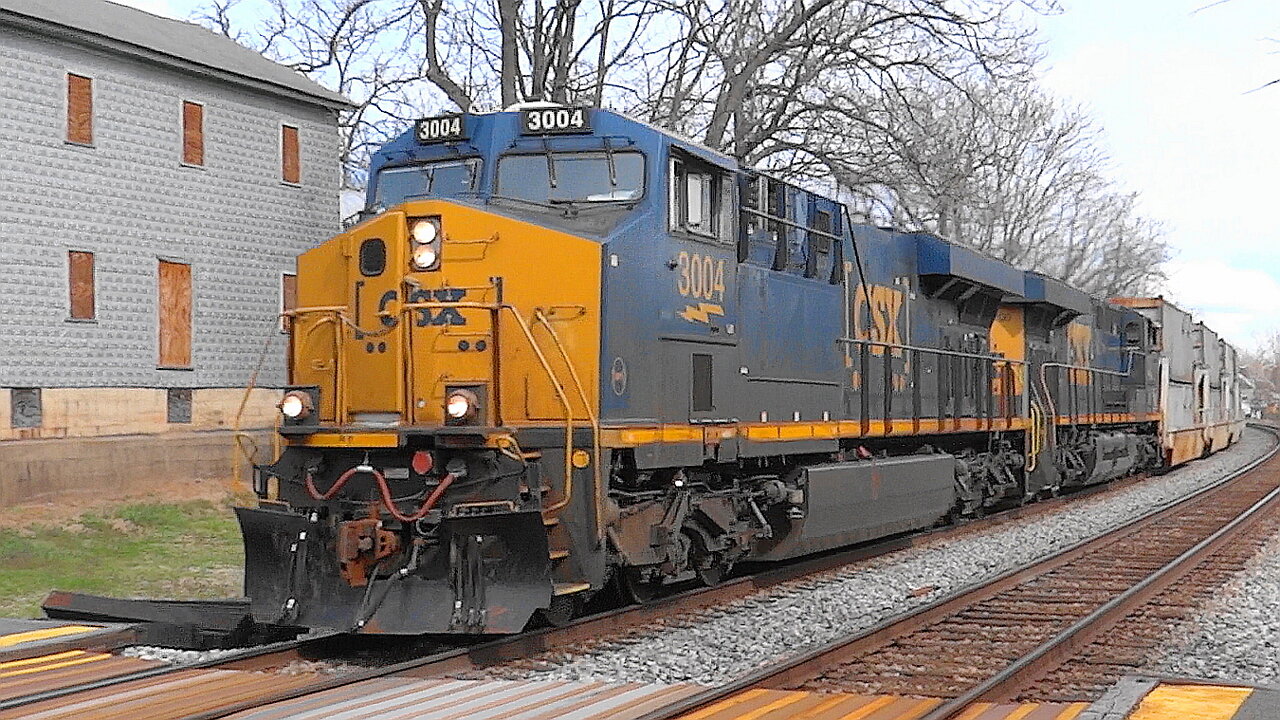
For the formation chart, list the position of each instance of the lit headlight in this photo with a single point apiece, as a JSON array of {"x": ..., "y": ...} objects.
[
  {"x": 461, "y": 405},
  {"x": 425, "y": 257},
  {"x": 425, "y": 231},
  {"x": 295, "y": 405}
]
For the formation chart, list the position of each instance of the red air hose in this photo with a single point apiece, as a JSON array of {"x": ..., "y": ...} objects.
[{"x": 426, "y": 507}]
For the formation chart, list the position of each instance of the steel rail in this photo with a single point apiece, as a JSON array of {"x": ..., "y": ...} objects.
[{"x": 810, "y": 663}]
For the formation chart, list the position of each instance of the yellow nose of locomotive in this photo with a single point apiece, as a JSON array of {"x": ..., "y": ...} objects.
[{"x": 441, "y": 314}]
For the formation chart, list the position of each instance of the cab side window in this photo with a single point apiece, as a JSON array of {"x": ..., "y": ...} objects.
[{"x": 696, "y": 200}]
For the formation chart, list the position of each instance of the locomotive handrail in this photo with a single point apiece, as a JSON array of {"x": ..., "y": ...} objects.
[
  {"x": 563, "y": 396},
  {"x": 1044, "y": 379},
  {"x": 591, "y": 416},
  {"x": 1007, "y": 377},
  {"x": 495, "y": 308},
  {"x": 936, "y": 351}
]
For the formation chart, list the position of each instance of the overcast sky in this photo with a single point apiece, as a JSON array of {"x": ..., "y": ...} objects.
[{"x": 1171, "y": 88}]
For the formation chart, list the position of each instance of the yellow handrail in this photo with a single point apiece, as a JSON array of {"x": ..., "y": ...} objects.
[
  {"x": 591, "y": 416},
  {"x": 556, "y": 384},
  {"x": 561, "y": 395}
]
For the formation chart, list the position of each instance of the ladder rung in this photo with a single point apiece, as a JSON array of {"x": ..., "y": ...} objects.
[
  {"x": 531, "y": 455},
  {"x": 559, "y": 554},
  {"x": 569, "y": 588},
  {"x": 551, "y": 521}
]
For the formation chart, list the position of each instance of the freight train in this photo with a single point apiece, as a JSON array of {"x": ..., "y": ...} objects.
[{"x": 564, "y": 350}]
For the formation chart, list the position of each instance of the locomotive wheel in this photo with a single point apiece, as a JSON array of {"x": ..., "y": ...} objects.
[{"x": 635, "y": 588}]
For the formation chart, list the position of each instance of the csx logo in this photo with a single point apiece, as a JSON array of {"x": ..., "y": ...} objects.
[
  {"x": 876, "y": 313},
  {"x": 425, "y": 317}
]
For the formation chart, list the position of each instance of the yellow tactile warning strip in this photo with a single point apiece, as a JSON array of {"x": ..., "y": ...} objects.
[
  {"x": 1191, "y": 702},
  {"x": 38, "y": 674},
  {"x": 49, "y": 662},
  {"x": 27, "y": 636},
  {"x": 791, "y": 705}
]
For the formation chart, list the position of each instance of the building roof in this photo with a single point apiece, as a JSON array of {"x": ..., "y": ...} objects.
[{"x": 183, "y": 45}]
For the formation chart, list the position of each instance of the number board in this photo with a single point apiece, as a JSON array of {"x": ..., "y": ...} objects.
[
  {"x": 445, "y": 128},
  {"x": 553, "y": 121}
]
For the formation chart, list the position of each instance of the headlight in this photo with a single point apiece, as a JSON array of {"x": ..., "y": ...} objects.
[
  {"x": 461, "y": 405},
  {"x": 424, "y": 231},
  {"x": 425, "y": 257},
  {"x": 295, "y": 405}
]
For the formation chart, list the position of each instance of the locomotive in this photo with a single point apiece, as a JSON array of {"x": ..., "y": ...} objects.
[{"x": 563, "y": 350}]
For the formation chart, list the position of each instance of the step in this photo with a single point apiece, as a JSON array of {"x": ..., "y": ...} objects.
[
  {"x": 569, "y": 588},
  {"x": 531, "y": 455},
  {"x": 551, "y": 521},
  {"x": 559, "y": 554}
]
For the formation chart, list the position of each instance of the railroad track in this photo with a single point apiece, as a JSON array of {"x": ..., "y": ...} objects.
[
  {"x": 1058, "y": 631},
  {"x": 247, "y": 680}
]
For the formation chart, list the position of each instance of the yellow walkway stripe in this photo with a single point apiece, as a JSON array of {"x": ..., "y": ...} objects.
[
  {"x": 1191, "y": 702},
  {"x": 870, "y": 707},
  {"x": 1072, "y": 711},
  {"x": 45, "y": 634},
  {"x": 820, "y": 708},
  {"x": 42, "y": 659},
  {"x": 1022, "y": 712},
  {"x": 55, "y": 666},
  {"x": 922, "y": 707},
  {"x": 790, "y": 699},
  {"x": 724, "y": 704},
  {"x": 974, "y": 711}
]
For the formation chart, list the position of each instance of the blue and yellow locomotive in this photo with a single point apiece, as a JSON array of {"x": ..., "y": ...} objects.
[{"x": 565, "y": 349}]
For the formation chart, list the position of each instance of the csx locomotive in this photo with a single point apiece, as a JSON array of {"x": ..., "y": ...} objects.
[{"x": 565, "y": 349}]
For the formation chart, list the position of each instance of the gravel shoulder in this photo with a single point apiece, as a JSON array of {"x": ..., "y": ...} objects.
[
  {"x": 715, "y": 646},
  {"x": 1236, "y": 636}
]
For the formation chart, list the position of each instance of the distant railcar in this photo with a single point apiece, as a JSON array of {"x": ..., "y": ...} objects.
[{"x": 566, "y": 349}]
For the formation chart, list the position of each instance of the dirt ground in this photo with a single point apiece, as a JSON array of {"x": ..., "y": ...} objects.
[{"x": 67, "y": 510}]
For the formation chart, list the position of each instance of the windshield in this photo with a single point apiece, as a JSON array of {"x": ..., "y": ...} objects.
[
  {"x": 557, "y": 178},
  {"x": 448, "y": 178}
]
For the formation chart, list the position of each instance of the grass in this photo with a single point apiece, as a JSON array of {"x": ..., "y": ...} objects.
[{"x": 172, "y": 550}]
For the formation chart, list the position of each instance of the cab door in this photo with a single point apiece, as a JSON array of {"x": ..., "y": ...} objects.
[{"x": 373, "y": 357}]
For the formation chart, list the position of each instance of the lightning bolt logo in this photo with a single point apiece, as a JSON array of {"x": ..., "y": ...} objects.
[{"x": 702, "y": 313}]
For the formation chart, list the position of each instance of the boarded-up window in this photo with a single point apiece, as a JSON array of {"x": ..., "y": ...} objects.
[
  {"x": 175, "y": 314},
  {"x": 79, "y": 109},
  {"x": 80, "y": 282},
  {"x": 192, "y": 133},
  {"x": 290, "y": 169},
  {"x": 288, "y": 298}
]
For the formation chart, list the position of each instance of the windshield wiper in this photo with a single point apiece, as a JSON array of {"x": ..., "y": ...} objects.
[
  {"x": 582, "y": 204},
  {"x": 523, "y": 200}
]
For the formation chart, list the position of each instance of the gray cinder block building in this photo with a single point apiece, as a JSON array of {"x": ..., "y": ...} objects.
[{"x": 156, "y": 182}]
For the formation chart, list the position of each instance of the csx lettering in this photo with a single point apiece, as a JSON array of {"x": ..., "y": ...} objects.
[
  {"x": 877, "y": 310},
  {"x": 426, "y": 317},
  {"x": 700, "y": 276},
  {"x": 441, "y": 316}
]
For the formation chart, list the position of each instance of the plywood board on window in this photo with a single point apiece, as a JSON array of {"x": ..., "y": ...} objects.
[
  {"x": 174, "y": 281},
  {"x": 192, "y": 133},
  {"x": 290, "y": 165},
  {"x": 80, "y": 281},
  {"x": 79, "y": 109}
]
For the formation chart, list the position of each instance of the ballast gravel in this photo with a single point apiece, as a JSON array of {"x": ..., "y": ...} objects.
[
  {"x": 175, "y": 656},
  {"x": 1236, "y": 636},
  {"x": 719, "y": 645}
]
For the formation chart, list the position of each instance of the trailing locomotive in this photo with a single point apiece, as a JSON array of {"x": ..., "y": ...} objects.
[{"x": 566, "y": 349}]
